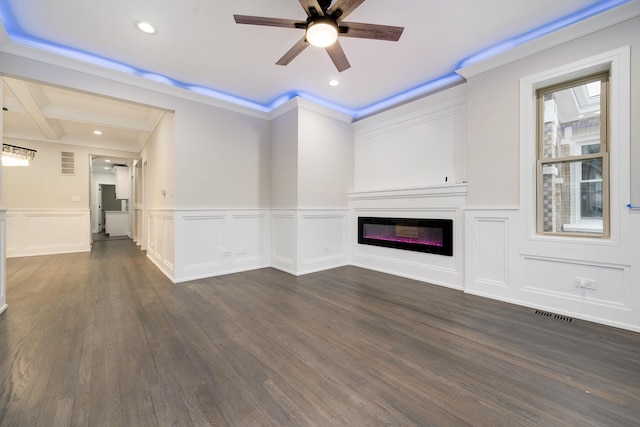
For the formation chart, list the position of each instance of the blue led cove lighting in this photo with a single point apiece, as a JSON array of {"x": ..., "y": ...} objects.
[
  {"x": 18, "y": 35},
  {"x": 549, "y": 28}
]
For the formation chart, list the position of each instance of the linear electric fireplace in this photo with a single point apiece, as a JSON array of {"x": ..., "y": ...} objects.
[{"x": 422, "y": 235}]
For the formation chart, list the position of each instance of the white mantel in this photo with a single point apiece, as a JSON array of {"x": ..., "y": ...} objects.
[{"x": 452, "y": 194}]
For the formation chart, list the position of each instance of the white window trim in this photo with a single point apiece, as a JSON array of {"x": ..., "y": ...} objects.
[{"x": 618, "y": 62}]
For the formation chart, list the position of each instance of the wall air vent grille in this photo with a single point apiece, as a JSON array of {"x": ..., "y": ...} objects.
[
  {"x": 554, "y": 316},
  {"x": 67, "y": 163}
]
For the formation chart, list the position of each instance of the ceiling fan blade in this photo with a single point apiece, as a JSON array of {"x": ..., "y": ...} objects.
[
  {"x": 338, "y": 57},
  {"x": 345, "y": 7},
  {"x": 371, "y": 31},
  {"x": 293, "y": 52},
  {"x": 308, "y": 4},
  {"x": 269, "y": 22}
]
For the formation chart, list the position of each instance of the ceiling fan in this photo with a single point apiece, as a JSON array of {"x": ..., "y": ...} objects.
[{"x": 323, "y": 26}]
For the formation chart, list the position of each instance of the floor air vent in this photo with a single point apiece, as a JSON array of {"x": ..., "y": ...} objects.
[{"x": 555, "y": 316}]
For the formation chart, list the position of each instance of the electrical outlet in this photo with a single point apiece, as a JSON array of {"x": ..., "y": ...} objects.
[{"x": 585, "y": 283}]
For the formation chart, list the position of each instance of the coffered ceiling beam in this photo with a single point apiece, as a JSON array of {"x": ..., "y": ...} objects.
[{"x": 31, "y": 99}]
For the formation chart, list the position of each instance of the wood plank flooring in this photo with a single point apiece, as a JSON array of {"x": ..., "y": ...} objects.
[{"x": 104, "y": 339}]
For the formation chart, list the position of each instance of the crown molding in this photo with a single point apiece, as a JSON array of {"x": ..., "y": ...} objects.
[
  {"x": 305, "y": 104},
  {"x": 580, "y": 29}
]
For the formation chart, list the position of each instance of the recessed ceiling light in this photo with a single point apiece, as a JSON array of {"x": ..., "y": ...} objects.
[
  {"x": 97, "y": 132},
  {"x": 334, "y": 82},
  {"x": 107, "y": 168},
  {"x": 145, "y": 27},
  {"x": 107, "y": 161}
]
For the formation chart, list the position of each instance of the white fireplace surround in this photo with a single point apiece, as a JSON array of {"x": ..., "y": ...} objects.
[{"x": 434, "y": 202}]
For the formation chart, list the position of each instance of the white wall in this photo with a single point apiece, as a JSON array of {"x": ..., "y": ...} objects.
[
  {"x": 493, "y": 114},
  {"x": 284, "y": 160},
  {"x": 221, "y": 158},
  {"x": 41, "y": 185},
  {"x": 158, "y": 158},
  {"x": 159, "y": 155},
  {"x": 311, "y": 161},
  {"x": 48, "y": 212},
  {"x": 417, "y": 145},
  {"x": 505, "y": 259},
  {"x": 325, "y": 160}
]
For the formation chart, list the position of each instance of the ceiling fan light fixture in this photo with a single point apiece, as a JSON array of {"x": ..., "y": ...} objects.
[{"x": 322, "y": 32}]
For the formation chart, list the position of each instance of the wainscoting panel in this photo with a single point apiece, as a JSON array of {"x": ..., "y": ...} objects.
[
  {"x": 161, "y": 249},
  {"x": 308, "y": 240},
  {"x": 487, "y": 235},
  {"x": 284, "y": 240},
  {"x": 206, "y": 241},
  {"x": 137, "y": 224},
  {"x": 322, "y": 239},
  {"x": 45, "y": 232},
  {"x": 589, "y": 290},
  {"x": 3, "y": 264},
  {"x": 492, "y": 262},
  {"x": 211, "y": 242},
  {"x": 250, "y": 242},
  {"x": 581, "y": 279}
]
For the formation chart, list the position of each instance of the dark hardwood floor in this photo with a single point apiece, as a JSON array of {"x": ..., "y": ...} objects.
[{"x": 104, "y": 339}]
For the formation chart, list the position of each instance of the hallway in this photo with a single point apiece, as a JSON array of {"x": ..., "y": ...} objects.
[{"x": 103, "y": 338}]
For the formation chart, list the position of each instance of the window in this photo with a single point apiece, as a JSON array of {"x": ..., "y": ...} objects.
[{"x": 572, "y": 188}]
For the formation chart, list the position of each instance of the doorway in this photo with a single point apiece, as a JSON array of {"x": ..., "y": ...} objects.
[{"x": 108, "y": 202}]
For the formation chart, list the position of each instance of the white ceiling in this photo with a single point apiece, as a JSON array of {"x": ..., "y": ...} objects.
[
  {"x": 199, "y": 44},
  {"x": 45, "y": 113}
]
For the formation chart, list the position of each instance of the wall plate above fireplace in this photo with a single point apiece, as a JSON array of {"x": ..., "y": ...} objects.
[{"x": 414, "y": 234}]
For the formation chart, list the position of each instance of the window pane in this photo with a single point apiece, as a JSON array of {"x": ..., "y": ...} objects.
[
  {"x": 569, "y": 202},
  {"x": 590, "y": 149},
  {"x": 591, "y": 200},
  {"x": 570, "y": 116},
  {"x": 592, "y": 170}
]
